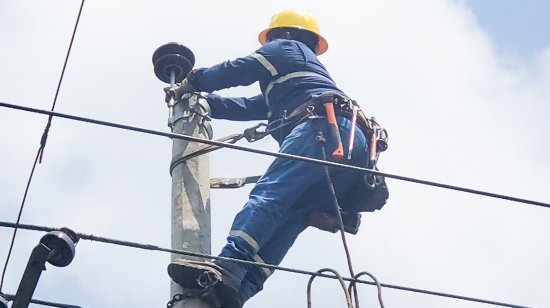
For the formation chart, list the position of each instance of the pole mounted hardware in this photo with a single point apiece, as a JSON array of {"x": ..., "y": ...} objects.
[
  {"x": 3, "y": 302},
  {"x": 172, "y": 62},
  {"x": 56, "y": 248}
]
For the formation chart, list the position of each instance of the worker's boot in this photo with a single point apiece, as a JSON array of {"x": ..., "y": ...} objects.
[{"x": 221, "y": 286}]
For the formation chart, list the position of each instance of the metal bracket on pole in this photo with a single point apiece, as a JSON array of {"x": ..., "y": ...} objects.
[
  {"x": 233, "y": 182},
  {"x": 57, "y": 248},
  {"x": 186, "y": 109},
  {"x": 180, "y": 113},
  {"x": 37, "y": 264}
]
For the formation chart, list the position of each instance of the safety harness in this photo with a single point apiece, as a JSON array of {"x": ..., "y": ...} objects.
[
  {"x": 372, "y": 192},
  {"x": 344, "y": 106}
]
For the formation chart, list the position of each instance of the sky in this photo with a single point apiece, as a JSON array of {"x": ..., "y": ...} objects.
[{"x": 461, "y": 86}]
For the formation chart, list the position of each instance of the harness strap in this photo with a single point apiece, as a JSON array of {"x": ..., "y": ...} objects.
[
  {"x": 312, "y": 108},
  {"x": 288, "y": 77}
]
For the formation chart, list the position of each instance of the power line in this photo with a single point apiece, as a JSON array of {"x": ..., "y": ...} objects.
[
  {"x": 275, "y": 154},
  {"x": 18, "y": 219},
  {"x": 47, "y": 129},
  {"x": 273, "y": 267},
  {"x": 42, "y": 146},
  {"x": 10, "y": 297}
]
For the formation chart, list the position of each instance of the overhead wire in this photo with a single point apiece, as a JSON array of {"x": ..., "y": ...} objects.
[
  {"x": 274, "y": 154},
  {"x": 43, "y": 140},
  {"x": 377, "y": 283},
  {"x": 283, "y": 155},
  {"x": 214, "y": 145},
  {"x": 10, "y": 297},
  {"x": 263, "y": 265},
  {"x": 340, "y": 279}
]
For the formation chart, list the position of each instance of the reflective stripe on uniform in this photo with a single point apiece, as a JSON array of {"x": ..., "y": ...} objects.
[
  {"x": 265, "y": 63},
  {"x": 245, "y": 237},
  {"x": 288, "y": 77},
  {"x": 267, "y": 271}
]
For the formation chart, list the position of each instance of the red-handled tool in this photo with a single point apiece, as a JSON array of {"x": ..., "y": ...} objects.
[
  {"x": 333, "y": 130},
  {"x": 328, "y": 99}
]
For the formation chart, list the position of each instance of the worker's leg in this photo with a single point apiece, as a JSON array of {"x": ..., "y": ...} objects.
[
  {"x": 274, "y": 194},
  {"x": 279, "y": 189},
  {"x": 318, "y": 198},
  {"x": 272, "y": 253}
]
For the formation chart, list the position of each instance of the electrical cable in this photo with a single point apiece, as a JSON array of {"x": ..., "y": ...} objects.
[
  {"x": 274, "y": 154},
  {"x": 47, "y": 129},
  {"x": 263, "y": 265},
  {"x": 43, "y": 140},
  {"x": 321, "y": 139},
  {"x": 18, "y": 220},
  {"x": 353, "y": 280},
  {"x": 342, "y": 283},
  {"x": 378, "y": 286},
  {"x": 10, "y": 297}
]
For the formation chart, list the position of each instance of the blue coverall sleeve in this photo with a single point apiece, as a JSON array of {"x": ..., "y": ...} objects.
[
  {"x": 238, "y": 108},
  {"x": 240, "y": 72}
]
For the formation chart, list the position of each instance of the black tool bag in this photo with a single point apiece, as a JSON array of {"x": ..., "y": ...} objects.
[
  {"x": 368, "y": 193},
  {"x": 365, "y": 197}
]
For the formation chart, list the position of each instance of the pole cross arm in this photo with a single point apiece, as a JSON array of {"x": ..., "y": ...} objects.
[
  {"x": 57, "y": 248},
  {"x": 233, "y": 182}
]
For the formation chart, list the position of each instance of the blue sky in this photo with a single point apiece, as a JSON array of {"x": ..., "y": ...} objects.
[
  {"x": 517, "y": 27},
  {"x": 462, "y": 87}
]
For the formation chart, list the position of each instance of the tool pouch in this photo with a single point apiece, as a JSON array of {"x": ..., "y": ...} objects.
[{"x": 365, "y": 197}]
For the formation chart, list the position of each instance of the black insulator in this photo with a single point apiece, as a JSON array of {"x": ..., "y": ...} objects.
[
  {"x": 71, "y": 234},
  {"x": 173, "y": 57},
  {"x": 174, "y": 48},
  {"x": 167, "y": 64},
  {"x": 62, "y": 248}
]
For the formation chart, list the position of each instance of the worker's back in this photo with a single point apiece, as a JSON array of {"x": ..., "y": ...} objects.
[{"x": 296, "y": 75}]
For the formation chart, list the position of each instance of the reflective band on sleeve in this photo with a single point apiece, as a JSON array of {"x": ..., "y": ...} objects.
[
  {"x": 290, "y": 76},
  {"x": 245, "y": 237},
  {"x": 267, "y": 271},
  {"x": 265, "y": 63}
]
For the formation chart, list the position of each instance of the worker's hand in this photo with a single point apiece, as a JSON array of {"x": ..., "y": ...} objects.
[{"x": 178, "y": 91}]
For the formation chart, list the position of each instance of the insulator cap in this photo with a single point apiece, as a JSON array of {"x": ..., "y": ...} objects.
[
  {"x": 173, "y": 57},
  {"x": 62, "y": 248}
]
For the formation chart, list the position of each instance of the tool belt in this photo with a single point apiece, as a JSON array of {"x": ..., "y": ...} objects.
[
  {"x": 370, "y": 193},
  {"x": 343, "y": 106}
]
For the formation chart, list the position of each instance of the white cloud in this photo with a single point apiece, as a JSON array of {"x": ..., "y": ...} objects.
[{"x": 457, "y": 113}]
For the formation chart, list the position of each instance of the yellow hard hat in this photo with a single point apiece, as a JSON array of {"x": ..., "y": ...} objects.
[{"x": 295, "y": 19}]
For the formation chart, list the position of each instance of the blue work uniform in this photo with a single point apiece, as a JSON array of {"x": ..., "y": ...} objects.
[{"x": 289, "y": 74}]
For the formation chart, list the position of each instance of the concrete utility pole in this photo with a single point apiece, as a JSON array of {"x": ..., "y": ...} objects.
[{"x": 190, "y": 190}]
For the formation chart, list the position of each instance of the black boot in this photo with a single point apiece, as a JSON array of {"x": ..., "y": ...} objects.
[{"x": 207, "y": 275}]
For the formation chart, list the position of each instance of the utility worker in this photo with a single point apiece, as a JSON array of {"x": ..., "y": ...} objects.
[{"x": 290, "y": 75}]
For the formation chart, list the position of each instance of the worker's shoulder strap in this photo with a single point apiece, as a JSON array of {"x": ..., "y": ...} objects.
[
  {"x": 291, "y": 76},
  {"x": 277, "y": 79}
]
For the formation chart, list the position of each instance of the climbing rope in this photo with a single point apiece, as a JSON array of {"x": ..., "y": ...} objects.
[
  {"x": 321, "y": 139},
  {"x": 251, "y": 134}
]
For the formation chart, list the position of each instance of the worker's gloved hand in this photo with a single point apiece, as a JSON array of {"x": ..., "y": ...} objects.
[{"x": 178, "y": 91}]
